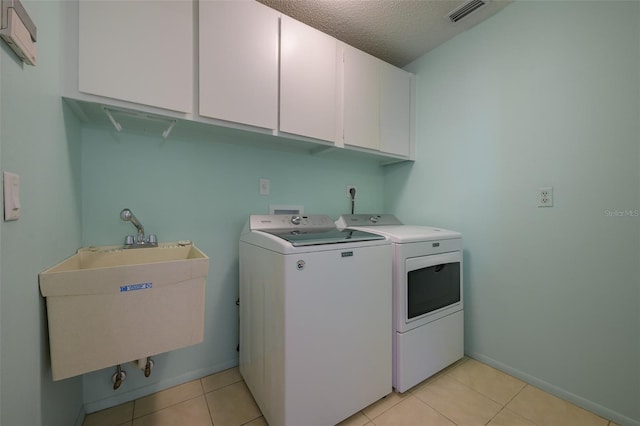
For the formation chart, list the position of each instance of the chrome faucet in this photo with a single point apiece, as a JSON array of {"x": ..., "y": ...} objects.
[{"x": 141, "y": 240}]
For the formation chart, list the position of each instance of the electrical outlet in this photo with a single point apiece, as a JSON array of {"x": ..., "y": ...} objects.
[
  {"x": 545, "y": 196},
  {"x": 349, "y": 190}
]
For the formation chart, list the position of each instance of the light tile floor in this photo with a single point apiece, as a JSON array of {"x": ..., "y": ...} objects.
[{"x": 467, "y": 393}]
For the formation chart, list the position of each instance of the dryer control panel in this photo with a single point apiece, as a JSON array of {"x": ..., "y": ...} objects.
[{"x": 348, "y": 220}]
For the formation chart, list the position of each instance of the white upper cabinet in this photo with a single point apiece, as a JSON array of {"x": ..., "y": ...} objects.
[
  {"x": 254, "y": 69},
  {"x": 377, "y": 104},
  {"x": 395, "y": 111},
  {"x": 308, "y": 72},
  {"x": 138, "y": 51},
  {"x": 360, "y": 99},
  {"x": 239, "y": 62}
]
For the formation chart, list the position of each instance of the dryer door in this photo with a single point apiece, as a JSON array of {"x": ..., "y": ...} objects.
[{"x": 432, "y": 290}]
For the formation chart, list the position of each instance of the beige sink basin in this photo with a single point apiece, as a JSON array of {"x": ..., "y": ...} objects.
[{"x": 107, "y": 306}]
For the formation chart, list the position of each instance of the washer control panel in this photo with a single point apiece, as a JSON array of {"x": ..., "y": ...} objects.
[{"x": 285, "y": 221}]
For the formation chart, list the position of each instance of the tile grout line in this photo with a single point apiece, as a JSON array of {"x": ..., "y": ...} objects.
[
  {"x": 432, "y": 407},
  {"x": 517, "y": 393},
  {"x": 487, "y": 396},
  {"x": 202, "y": 394},
  {"x": 223, "y": 387},
  {"x": 514, "y": 397},
  {"x": 206, "y": 401},
  {"x": 503, "y": 406},
  {"x": 434, "y": 378},
  {"x": 252, "y": 420},
  {"x": 495, "y": 415},
  {"x": 133, "y": 411},
  {"x": 383, "y": 411},
  {"x": 501, "y": 410},
  {"x": 169, "y": 406},
  {"x": 447, "y": 372}
]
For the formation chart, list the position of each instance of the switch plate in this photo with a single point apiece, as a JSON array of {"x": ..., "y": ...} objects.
[
  {"x": 11, "y": 196},
  {"x": 264, "y": 186},
  {"x": 545, "y": 196}
]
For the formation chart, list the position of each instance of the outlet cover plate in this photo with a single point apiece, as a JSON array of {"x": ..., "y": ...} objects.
[{"x": 545, "y": 196}]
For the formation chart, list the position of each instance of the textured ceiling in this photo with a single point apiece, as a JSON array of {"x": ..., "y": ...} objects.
[{"x": 396, "y": 31}]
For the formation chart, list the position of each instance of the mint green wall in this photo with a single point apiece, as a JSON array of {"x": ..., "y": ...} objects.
[
  {"x": 202, "y": 190},
  {"x": 39, "y": 145},
  {"x": 542, "y": 94}
]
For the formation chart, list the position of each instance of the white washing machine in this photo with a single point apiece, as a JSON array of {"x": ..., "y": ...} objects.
[
  {"x": 315, "y": 318},
  {"x": 428, "y": 315}
]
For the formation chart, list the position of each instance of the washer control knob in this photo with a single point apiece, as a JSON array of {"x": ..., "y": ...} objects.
[
  {"x": 373, "y": 219},
  {"x": 295, "y": 220}
]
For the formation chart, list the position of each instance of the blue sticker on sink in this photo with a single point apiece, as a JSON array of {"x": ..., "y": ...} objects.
[{"x": 134, "y": 287}]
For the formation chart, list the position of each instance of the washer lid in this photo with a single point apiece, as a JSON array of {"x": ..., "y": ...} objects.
[{"x": 300, "y": 238}]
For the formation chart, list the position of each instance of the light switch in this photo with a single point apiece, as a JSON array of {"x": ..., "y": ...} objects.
[
  {"x": 264, "y": 186},
  {"x": 11, "y": 196}
]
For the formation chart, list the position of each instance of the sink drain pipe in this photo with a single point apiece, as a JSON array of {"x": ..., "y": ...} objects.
[{"x": 145, "y": 364}]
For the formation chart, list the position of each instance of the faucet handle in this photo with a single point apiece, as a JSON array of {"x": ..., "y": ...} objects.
[
  {"x": 128, "y": 240},
  {"x": 153, "y": 239}
]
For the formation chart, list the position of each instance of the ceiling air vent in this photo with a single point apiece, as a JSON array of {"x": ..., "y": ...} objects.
[{"x": 465, "y": 9}]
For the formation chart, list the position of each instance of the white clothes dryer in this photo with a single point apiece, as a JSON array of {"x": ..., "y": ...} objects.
[
  {"x": 315, "y": 318},
  {"x": 428, "y": 303}
]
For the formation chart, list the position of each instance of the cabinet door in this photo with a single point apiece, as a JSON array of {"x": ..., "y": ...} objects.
[
  {"x": 395, "y": 110},
  {"x": 239, "y": 62},
  {"x": 307, "y": 81},
  {"x": 361, "y": 113},
  {"x": 138, "y": 51}
]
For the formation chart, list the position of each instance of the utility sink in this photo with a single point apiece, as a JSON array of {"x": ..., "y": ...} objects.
[{"x": 108, "y": 306}]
